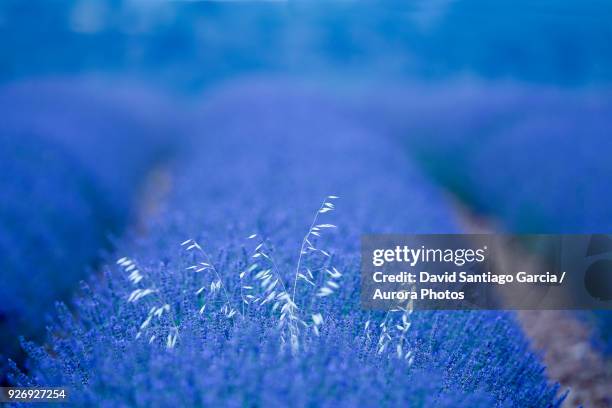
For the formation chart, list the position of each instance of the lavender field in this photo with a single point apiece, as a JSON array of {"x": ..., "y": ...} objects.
[{"x": 181, "y": 207}]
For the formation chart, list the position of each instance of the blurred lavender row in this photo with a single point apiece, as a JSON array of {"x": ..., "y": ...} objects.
[{"x": 75, "y": 154}]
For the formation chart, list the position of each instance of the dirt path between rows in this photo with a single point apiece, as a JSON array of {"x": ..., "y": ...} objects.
[
  {"x": 153, "y": 196},
  {"x": 562, "y": 339}
]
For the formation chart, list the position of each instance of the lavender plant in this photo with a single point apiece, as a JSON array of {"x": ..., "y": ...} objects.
[
  {"x": 509, "y": 135},
  {"x": 53, "y": 225},
  {"x": 326, "y": 350},
  {"x": 116, "y": 134},
  {"x": 73, "y": 157},
  {"x": 550, "y": 145},
  {"x": 563, "y": 182}
]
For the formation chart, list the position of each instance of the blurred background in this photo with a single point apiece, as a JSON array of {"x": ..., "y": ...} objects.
[
  {"x": 189, "y": 45},
  {"x": 505, "y": 105}
]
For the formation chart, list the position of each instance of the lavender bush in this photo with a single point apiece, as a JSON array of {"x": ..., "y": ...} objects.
[
  {"x": 545, "y": 142},
  {"x": 53, "y": 224},
  {"x": 72, "y": 157},
  {"x": 548, "y": 144},
  {"x": 557, "y": 162},
  {"x": 559, "y": 168},
  {"x": 245, "y": 292},
  {"x": 531, "y": 159},
  {"x": 116, "y": 131}
]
